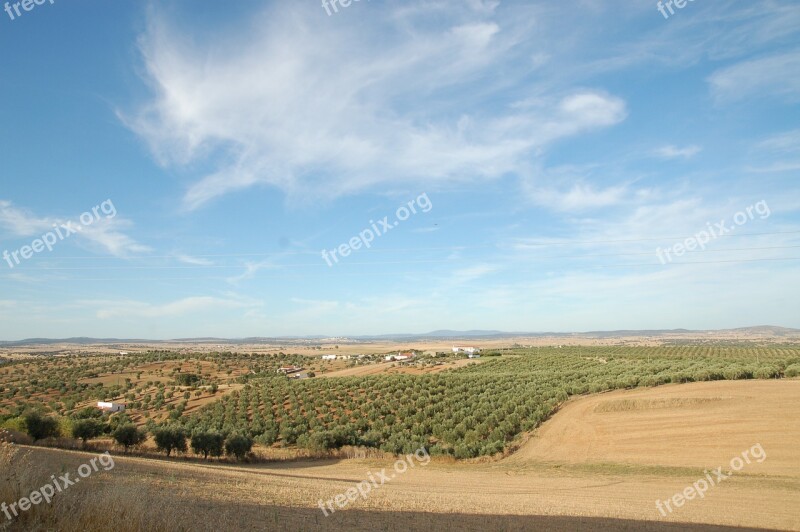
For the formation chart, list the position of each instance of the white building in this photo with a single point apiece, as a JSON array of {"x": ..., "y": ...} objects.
[
  {"x": 110, "y": 407},
  {"x": 328, "y": 357},
  {"x": 399, "y": 357},
  {"x": 467, "y": 350}
]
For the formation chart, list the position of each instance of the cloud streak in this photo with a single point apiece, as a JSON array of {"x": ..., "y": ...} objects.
[{"x": 282, "y": 106}]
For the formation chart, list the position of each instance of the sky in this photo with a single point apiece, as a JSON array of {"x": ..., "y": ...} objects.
[{"x": 282, "y": 168}]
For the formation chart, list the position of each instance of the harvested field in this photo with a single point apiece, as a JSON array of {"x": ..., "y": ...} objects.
[
  {"x": 689, "y": 425},
  {"x": 395, "y": 368}
]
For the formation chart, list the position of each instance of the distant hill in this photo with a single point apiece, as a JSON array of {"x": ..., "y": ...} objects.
[
  {"x": 768, "y": 330},
  {"x": 77, "y": 341},
  {"x": 442, "y": 334}
]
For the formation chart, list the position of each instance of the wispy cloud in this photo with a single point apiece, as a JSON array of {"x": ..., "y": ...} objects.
[
  {"x": 775, "y": 75},
  {"x": 432, "y": 229},
  {"x": 250, "y": 270},
  {"x": 21, "y": 222},
  {"x": 253, "y": 109},
  {"x": 195, "y": 261},
  {"x": 465, "y": 275},
  {"x": 579, "y": 197},
  {"x": 786, "y": 142},
  {"x": 105, "y": 235},
  {"x": 569, "y": 189},
  {"x": 671, "y": 151}
]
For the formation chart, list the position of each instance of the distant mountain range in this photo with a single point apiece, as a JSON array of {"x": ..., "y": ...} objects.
[{"x": 763, "y": 330}]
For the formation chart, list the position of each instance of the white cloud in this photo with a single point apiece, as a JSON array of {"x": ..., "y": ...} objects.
[
  {"x": 671, "y": 151},
  {"x": 20, "y": 222},
  {"x": 567, "y": 189},
  {"x": 250, "y": 270},
  {"x": 195, "y": 261},
  {"x": 788, "y": 141},
  {"x": 465, "y": 275},
  {"x": 579, "y": 197},
  {"x": 774, "y": 75},
  {"x": 425, "y": 229},
  {"x": 319, "y": 111},
  {"x": 102, "y": 234},
  {"x": 106, "y": 235}
]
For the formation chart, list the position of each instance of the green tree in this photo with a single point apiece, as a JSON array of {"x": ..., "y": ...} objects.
[
  {"x": 86, "y": 429},
  {"x": 238, "y": 445},
  {"x": 170, "y": 439},
  {"x": 39, "y": 427},
  {"x": 187, "y": 379},
  {"x": 208, "y": 443},
  {"x": 129, "y": 436}
]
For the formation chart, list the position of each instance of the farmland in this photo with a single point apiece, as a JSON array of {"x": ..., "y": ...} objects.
[
  {"x": 580, "y": 471},
  {"x": 466, "y": 409},
  {"x": 476, "y": 410}
]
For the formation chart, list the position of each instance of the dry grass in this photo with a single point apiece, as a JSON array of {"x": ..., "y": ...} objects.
[
  {"x": 95, "y": 504},
  {"x": 627, "y": 405}
]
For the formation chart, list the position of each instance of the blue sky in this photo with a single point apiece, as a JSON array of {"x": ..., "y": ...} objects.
[{"x": 557, "y": 145}]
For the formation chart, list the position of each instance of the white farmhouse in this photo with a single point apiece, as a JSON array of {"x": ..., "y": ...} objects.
[{"x": 110, "y": 407}]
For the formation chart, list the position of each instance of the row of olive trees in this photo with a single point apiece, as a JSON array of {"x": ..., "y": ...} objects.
[
  {"x": 128, "y": 435},
  {"x": 169, "y": 439},
  {"x": 40, "y": 427}
]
